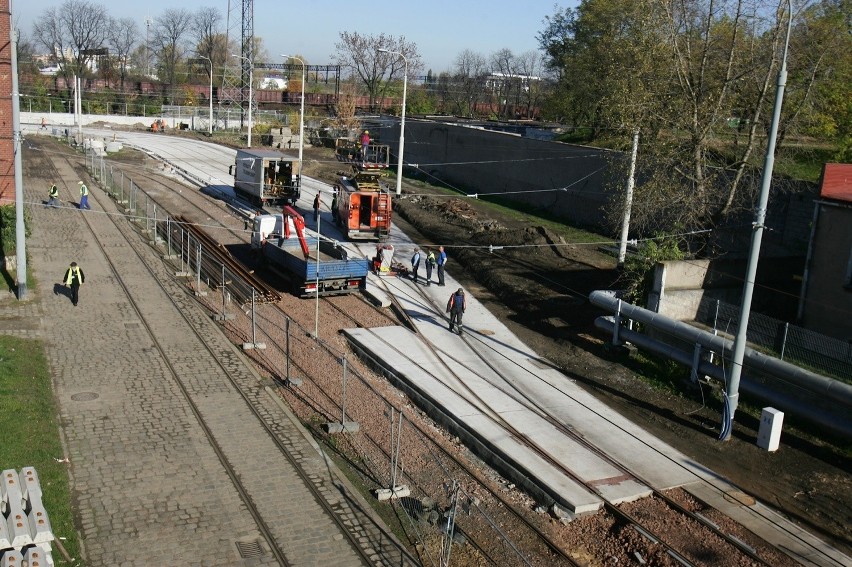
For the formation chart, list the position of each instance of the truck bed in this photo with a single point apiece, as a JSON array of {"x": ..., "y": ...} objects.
[{"x": 337, "y": 273}]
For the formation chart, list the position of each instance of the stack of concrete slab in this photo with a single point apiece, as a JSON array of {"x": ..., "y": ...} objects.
[
  {"x": 282, "y": 138},
  {"x": 25, "y": 532}
]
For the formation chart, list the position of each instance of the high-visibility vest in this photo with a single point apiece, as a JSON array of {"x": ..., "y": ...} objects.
[
  {"x": 84, "y": 190},
  {"x": 72, "y": 272},
  {"x": 54, "y": 192}
]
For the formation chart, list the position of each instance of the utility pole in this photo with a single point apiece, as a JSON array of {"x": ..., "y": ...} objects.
[
  {"x": 732, "y": 393},
  {"x": 20, "y": 229},
  {"x": 628, "y": 200}
]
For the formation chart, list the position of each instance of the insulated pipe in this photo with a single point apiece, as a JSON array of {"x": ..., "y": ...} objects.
[
  {"x": 788, "y": 403},
  {"x": 834, "y": 389}
]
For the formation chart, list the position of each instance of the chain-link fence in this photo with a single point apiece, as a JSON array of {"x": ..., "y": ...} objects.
[
  {"x": 394, "y": 451},
  {"x": 789, "y": 342},
  {"x": 224, "y": 118}
]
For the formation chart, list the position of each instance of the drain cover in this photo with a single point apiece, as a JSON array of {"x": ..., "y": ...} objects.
[
  {"x": 85, "y": 397},
  {"x": 249, "y": 549}
]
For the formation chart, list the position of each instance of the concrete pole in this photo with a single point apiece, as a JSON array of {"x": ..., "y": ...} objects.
[
  {"x": 20, "y": 232},
  {"x": 251, "y": 81},
  {"x": 302, "y": 119},
  {"x": 80, "y": 108},
  {"x": 732, "y": 391},
  {"x": 301, "y": 111},
  {"x": 628, "y": 200},
  {"x": 209, "y": 95},
  {"x": 316, "y": 316},
  {"x": 402, "y": 120}
]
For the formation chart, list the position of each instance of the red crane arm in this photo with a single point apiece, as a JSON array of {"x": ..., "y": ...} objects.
[{"x": 299, "y": 223}]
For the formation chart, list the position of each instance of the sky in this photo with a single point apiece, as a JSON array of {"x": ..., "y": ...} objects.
[{"x": 441, "y": 28}]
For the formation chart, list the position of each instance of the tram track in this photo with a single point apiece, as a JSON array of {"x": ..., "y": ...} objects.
[
  {"x": 264, "y": 529},
  {"x": 521, "y": 398},
  {"x": 611, "y": 508},
  {"x": 467, "y": 338}
]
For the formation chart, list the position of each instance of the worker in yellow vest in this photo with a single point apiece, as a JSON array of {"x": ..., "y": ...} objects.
[
  {"x": 74, "y": 278},
  {"x": 84, "y": 196}
]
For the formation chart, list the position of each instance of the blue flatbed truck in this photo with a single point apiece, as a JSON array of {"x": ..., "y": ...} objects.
[{"x": 281, "y": 241}]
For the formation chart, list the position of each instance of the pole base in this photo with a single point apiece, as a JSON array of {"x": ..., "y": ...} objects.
[
  {"x": 347, "y": 426},
  {"x": 383, "y": 494}
]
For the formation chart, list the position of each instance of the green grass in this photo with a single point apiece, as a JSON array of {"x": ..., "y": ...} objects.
[{"x": 28, "y": 421}]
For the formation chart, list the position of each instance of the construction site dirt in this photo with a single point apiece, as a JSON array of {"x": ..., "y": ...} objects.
[{"x": 540, "y": 290}]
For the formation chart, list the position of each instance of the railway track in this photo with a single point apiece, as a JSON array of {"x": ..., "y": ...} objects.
[
  {"x": 513, "y": 393},
  {"x": 244, "y": 286},
  {"x": 184, "y": 305},
  {"x": 615, "y": 511}
]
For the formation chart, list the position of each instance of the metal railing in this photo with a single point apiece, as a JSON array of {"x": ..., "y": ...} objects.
[
  {"x": 789, "y": 342},
  {"x": 319, "y": 374}
]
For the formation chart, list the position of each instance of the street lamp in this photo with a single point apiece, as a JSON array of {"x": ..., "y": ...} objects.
[
  {"x": 301, "y": 112},
  {"x": 732, "y": 393},
  {"x": 251, "y": 81},
  {"x": 402, "y": 121},
  {"x": 148, "y": 22},
  {"x": 210, "y": 95}
]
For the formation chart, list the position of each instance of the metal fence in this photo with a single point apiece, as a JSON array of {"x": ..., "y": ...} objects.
[
  {"x": 788, "y": 342},
  {"x": 318, "y": 382},
  {"x": 226, "y": 118}
]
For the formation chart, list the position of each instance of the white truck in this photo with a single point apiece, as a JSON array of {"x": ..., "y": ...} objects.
[{"x": 266, "y": 177}]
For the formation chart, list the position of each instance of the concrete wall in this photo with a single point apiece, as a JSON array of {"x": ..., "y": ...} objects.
[
  {"x": 683, "y": 289},
  {"x": 32, "y": 120},
  {"x": 677, "y": 290},
  {"x": 526, "y": 170}
]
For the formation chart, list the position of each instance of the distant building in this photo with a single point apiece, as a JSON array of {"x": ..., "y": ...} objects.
[
  {"x": 495, "y": 82},
  {"x": 825, "y": 304},
  {"x": 274, "y": 83}
]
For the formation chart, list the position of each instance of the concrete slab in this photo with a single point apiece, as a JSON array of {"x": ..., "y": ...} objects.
[
  {"x": 768, "y": 524},
  {"x": 457, "y": 389}
]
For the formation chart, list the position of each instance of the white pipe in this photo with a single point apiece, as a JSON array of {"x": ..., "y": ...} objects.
[
  {"x": 838, "y": 391},
  {"x": 792, "y": 405}
]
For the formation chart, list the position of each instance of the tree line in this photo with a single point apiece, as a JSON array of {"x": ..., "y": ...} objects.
[
  {"x": 180, "y": 46},
  {"x": 697, "y": 79}
]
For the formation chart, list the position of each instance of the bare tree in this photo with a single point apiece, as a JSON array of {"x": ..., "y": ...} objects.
[
  {"x": 121, "y": 39},
  {"x": 529, "y": 68},
  {"x": 375, "y": 69},
  {"x": 170, "y": 37},
  {"x": 72, "y": 33},
  {"x": 206, "y": 34},
  {"x": 505, "y": 82},
  {"x": 467, "y": 85}
]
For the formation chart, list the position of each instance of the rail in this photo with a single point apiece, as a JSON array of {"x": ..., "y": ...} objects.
[{"x": 213, "y": 260}]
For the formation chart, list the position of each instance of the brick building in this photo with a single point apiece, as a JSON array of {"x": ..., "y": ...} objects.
[
  {"x": 826, "y": 299},
  {"x": 7, "y": 161}
]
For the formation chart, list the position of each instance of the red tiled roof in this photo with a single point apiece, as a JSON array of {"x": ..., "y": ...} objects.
[{"x": 837, "y": 181}]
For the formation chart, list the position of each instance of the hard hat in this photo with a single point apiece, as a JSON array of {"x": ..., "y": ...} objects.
[
  {"x": 366, "y": 131},
  {"x": 79, "y": 183}
]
